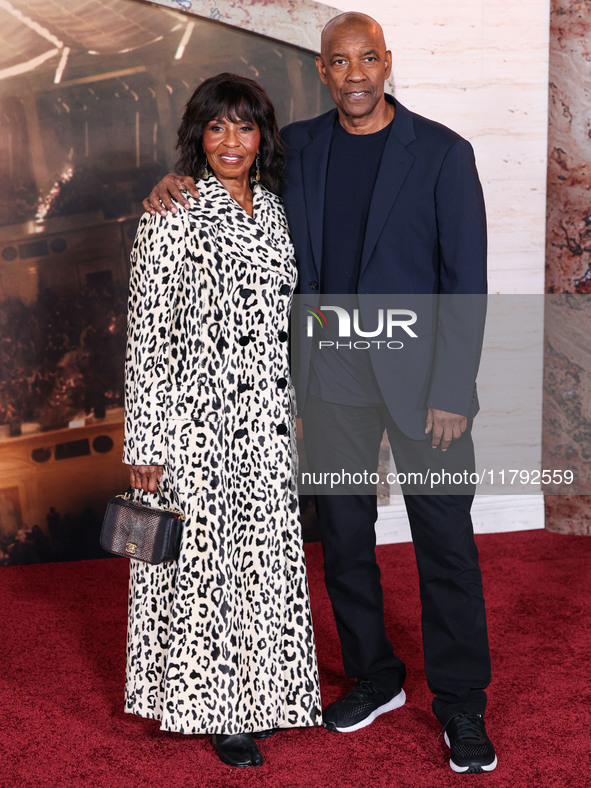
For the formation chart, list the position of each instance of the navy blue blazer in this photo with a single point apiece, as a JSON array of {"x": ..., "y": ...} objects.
[{"x": 425, "y": 236}]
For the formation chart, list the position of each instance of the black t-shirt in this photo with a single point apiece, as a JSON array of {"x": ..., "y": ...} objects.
[{"x": 341, "y": 375}]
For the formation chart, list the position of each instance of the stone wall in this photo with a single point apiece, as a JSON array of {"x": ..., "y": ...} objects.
[{"x": 567, "y": 384}]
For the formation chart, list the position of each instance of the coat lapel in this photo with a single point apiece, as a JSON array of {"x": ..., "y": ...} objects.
[
  {"x": 266, "y": 230},
  {"x": 314, "y": 166},
  {"x": 213, "y": 204},
  {"x": 270, "y": 217},
  {"x": 394, "y": 167}
]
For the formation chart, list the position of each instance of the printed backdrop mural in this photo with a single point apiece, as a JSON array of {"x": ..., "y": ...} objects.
[{"x": 89, "y": 106}]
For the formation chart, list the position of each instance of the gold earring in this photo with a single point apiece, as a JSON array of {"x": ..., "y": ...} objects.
[{"x": 257, "y": 176}]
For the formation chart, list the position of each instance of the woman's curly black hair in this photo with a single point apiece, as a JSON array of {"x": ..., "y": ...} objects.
[{"x": 237, "y": 99}]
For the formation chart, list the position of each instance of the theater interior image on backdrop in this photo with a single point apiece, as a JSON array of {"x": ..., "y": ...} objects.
[{"x": 90, "y": 101}]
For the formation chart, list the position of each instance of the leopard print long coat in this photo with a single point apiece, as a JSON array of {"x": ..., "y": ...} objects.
[{"x": 221, "y": 640}]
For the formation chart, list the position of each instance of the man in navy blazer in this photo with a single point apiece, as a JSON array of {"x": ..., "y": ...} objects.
[
  {"x": 382, "y": 201},
  {"x": 425, "y": 234}
]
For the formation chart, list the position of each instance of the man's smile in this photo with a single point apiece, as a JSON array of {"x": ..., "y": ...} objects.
[{"x": 357, "y": 94}]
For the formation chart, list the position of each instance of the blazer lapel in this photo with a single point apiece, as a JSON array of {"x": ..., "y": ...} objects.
[
  {"x": 314, "y": 165},
  {"x": 394, "y": 167}
]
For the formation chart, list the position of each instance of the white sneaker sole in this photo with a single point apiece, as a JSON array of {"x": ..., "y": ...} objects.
[
  {"x": 462, "y": 769},
  {"x": 396, "y": 702}
]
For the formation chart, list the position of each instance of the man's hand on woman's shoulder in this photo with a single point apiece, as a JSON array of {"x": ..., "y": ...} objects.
[{"x": 163, "y": 196}]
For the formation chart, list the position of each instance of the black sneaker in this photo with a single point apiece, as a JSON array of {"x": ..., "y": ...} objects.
[
  {"x": 472, "y": 751},
  {"x": 361, "y": 707}
]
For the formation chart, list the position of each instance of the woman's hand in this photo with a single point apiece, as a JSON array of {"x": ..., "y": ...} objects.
[
  {"x": 145, "y": 477},
  {"x": 168, "y": 189}
]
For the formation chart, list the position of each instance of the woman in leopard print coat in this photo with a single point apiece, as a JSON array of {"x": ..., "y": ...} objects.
[{"x": 220, "y": 641}]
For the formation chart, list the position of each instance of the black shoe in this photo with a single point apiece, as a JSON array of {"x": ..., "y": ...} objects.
[
  {"x": 237, "y": 750},
  {"x": 361, "y": 707},
  {"x": 472, "y": 751},
  {"x": 264, "y": 734}
]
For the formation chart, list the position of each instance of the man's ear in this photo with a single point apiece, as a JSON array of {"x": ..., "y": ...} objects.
[
  {"x": 388, "y": 63},
  {"x": 321, "y": 69}
]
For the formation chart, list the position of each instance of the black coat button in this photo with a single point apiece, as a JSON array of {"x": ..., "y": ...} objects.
[
  {"x": 285, "y": 290},
  {"x": 245, "y": 292},
  {"x": 281, "y": 383},
  {"x": 244, "y": 341},
  {"x": 283, "y": 336},
  {"x": 281, "y": 429},
  {"x": 314, "y": 285}
]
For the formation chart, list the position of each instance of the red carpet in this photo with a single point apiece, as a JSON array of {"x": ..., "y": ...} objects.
[{"x": 62, "y": 724}]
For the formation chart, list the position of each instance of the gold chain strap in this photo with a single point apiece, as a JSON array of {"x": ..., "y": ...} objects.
[{"x": 128, "y": 496}]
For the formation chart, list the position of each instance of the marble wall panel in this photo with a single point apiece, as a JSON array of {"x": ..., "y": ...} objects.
[
  {"x": 569, "y": 150},
  {"x": 481, "y": 68},
  {"x": 567, "y": 404}
]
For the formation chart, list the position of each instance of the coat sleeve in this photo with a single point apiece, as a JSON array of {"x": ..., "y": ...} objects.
[
  {"x": 461, "y": 228},
  {"x": 156, "y": 265}
]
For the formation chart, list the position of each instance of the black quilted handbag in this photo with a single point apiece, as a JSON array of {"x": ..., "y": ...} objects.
[{"x": 146, "y": 533}]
